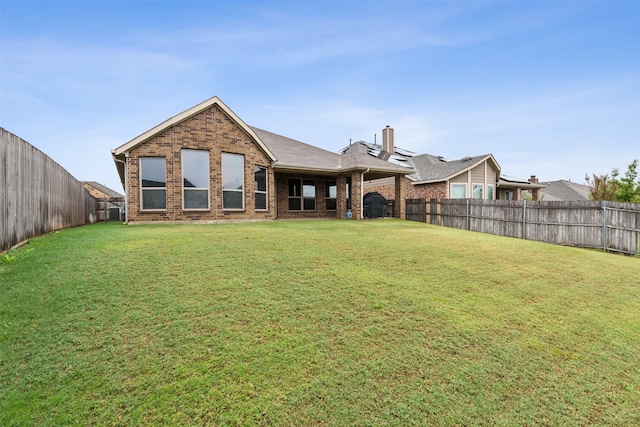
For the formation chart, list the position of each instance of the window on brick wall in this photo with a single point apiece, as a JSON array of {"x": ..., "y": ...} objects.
[
  {"x": 302, "y": 195},
  {"x": 331, "y": 193},
  {"x": 260, "y": 183},
  {"x": 153, "y": 183},
  {"x": 232, "y": 181},
  {"x": 195, "y": 179}
]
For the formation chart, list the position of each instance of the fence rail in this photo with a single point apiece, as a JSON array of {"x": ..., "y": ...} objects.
[
  {"x": 37, "y": 195},
  {"x": 611, "y": 226}
]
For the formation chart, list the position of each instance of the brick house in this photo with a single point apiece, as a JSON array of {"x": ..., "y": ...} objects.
[
  {"x": 514, "y": 188},
  {"x": 431, "y": 176},
  {"x": 206, "y": 165},
  {"x": 100, "y": 191},
  {"x": 109, "y": 203},
  {"x": 434, "y": 177}
]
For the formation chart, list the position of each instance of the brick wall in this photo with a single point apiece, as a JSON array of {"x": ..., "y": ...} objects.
[
  {"x": 282, "y": 191},
  {"x": 96, "y": 193},
  {"x": 210, "y": 130},
  {"x": 423, "y": 191}
]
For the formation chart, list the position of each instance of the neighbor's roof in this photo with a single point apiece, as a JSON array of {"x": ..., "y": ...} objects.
[
  {"x": 508, "y": 181},
  {"x": 103, "y": 188},
  {"x": 426, "y": 168},
  {"x": 565, "y": 190},
  {"x": 435, "y": 169}
]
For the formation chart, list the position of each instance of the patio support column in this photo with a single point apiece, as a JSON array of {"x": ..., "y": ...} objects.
[
  {"x": 401, "y": 196},
  {"x": 535, "y": 194},
  {"x": 356, "y": 194},
  {"x": 341, "y": 197}
]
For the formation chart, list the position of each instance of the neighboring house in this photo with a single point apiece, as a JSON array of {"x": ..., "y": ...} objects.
[
  {"x": 514, "y": 188},
  {"x": 100, "y": 191},
  {"x": 110, "y": 203},
  {"x": 432, "y": 176},
  {"x": 435, "y": 177},
  {"x": 565, "y": 190},
  {"x": 205, "y": 164}
]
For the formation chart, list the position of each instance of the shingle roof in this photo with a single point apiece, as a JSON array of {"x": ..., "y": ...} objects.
[
  {"x": 400, "y": 157},
  {"x": 293, "y": 154},
  {"x": 425, "y": 167},
  {"x": 565, "y": 190},
  {"x": 285, "y": 153},
  {"x": 432, "y": 168},
  {"x": 507, "y": 181},
  {"x": 289, "y": 152},
  {"x": 103, "y": 188}
]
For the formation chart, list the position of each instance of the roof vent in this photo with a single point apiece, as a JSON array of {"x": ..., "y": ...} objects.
[{"x": 466, "y": 159}]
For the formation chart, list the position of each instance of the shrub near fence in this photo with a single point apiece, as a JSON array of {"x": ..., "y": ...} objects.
[
  {"x": 610, "y": 226},
  {"x": 37, "y": 195}
]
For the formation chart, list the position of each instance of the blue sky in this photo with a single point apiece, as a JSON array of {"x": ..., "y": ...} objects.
[{"x": 549, "y": 88}]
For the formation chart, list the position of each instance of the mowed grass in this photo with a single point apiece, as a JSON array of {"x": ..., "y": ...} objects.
[{"x": 315, "y": 323}]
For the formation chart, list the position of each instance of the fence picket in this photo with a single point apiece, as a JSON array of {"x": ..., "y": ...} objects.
[
  {"x": 611, "y": 226},
  {"x": 37, "y": 195}
]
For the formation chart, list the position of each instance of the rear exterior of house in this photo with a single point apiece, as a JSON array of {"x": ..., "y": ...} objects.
[
  {"x": 204, "y": 168},
  {"x": 206, "y": 165}
]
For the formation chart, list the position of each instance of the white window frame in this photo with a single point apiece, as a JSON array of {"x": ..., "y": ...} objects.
[
  {"x": 302, "y": 196},
  {"x": 491, "y": 189},
  {"x": 235, "y": 190},
  {"x": 473, "y": 188},
  {"x": 328, "y": 185},
  {"x": 266, "y": 187},
  {"x": 186, "y": 189},
  {"x": 143, "y": 189},
  {"x": 458, "y": 184}
]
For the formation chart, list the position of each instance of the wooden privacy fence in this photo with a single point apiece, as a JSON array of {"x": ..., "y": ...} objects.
[
  {"x": 37, "y": 195},
  {"x": 611, "y": 226},
  {"x": 110, "y": 209}
]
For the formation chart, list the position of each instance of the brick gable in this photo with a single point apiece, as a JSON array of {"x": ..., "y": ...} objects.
[{"x": 214, "y": 131}]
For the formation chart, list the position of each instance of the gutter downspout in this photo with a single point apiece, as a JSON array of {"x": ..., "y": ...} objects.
[{"x": 361, "y": 194}]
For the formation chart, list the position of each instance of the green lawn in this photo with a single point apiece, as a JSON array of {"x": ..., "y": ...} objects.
[{"x": 315, "y": 323}]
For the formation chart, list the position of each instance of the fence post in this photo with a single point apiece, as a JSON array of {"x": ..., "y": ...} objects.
[
  {"x": 604, "y": 225},
  {"x": 524, "y": 219},
  {"x": 468, "y": 220}
]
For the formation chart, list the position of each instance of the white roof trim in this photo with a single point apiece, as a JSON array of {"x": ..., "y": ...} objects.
[
  {"x": 339, "y": 169},
  {"x": 185, "y": 115}
]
